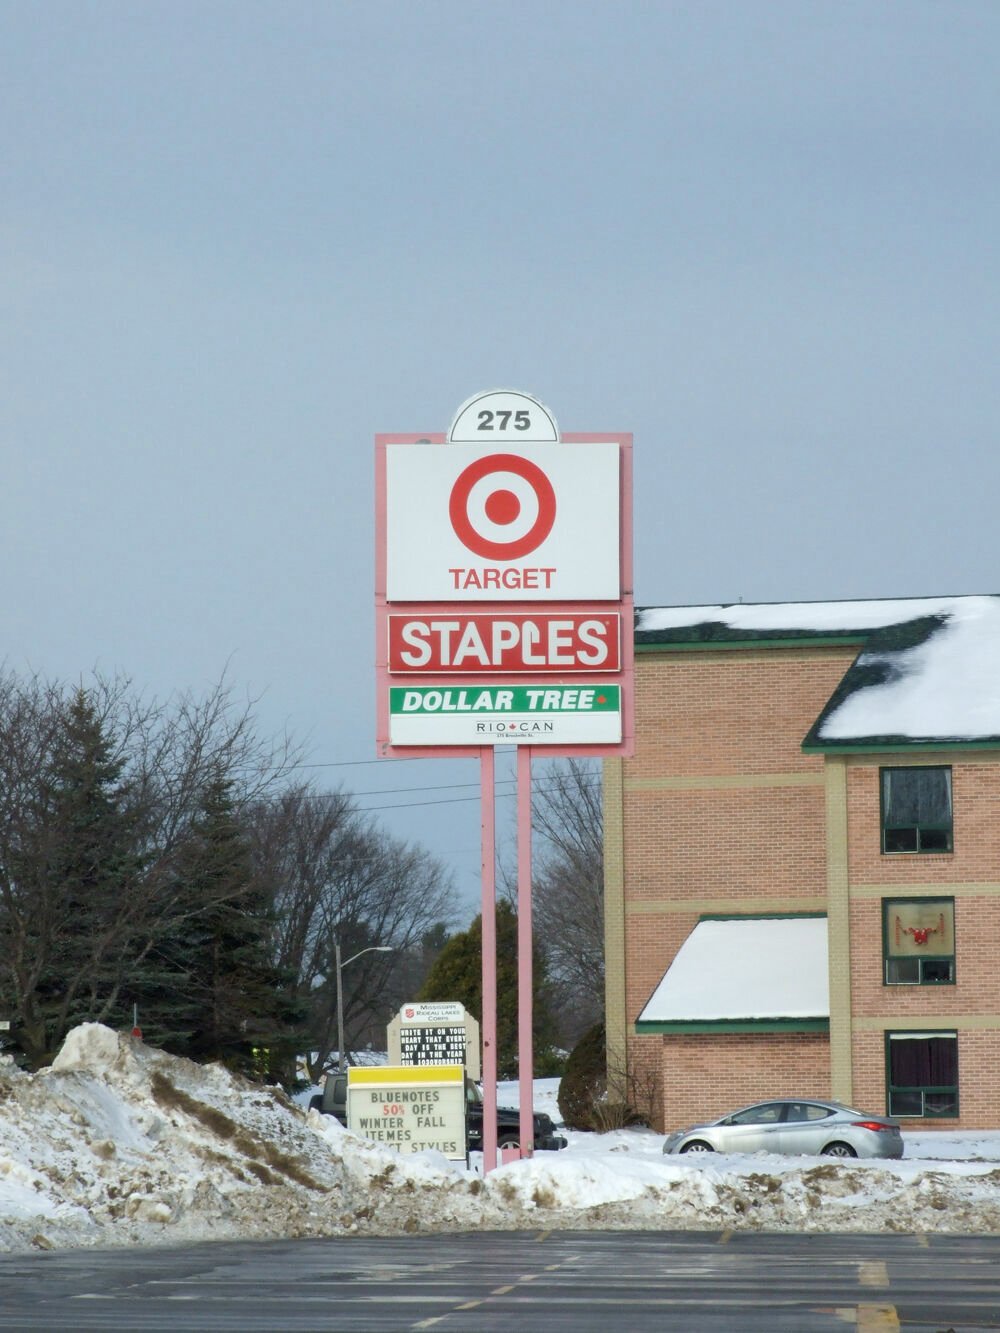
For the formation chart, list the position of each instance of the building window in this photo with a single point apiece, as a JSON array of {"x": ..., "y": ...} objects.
[
  {"x": 916, "y": 810},
  {"x": 922, "y": 1074},
  {"x": 918, "y": 941}
]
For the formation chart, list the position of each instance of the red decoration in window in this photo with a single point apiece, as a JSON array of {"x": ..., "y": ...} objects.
[{"x": 921, "y": 934}]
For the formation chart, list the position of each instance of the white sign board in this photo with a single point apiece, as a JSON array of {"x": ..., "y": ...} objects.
[
  {"x": 492, "y": 715},
  {"x": 413, "y": 1108},
  {"x": 433, "y": 1011},
  {"x": 503, "y": 523}
]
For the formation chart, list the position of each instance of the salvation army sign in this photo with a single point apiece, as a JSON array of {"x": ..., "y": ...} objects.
[{"x": 504, "y": 585}]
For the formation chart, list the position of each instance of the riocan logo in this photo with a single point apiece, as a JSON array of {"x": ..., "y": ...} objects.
[{"x": 502, "y": 507}]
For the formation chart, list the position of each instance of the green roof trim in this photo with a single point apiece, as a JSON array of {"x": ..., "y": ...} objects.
[
  {"x": 898, "y": 744},
  {"x": 705, "y": 1027},
  {"x": 761, "y": 916},
  {"x": 653, "y": 641}
]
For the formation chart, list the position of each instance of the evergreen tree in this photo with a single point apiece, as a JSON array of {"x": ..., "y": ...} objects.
[
  {"x": 221, "y": 997},
  {"x": 89, "y": 867},
  {"x": 457, "y": 975}
]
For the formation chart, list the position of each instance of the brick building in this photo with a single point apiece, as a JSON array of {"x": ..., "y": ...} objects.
[{"x": 802, "y": 859}]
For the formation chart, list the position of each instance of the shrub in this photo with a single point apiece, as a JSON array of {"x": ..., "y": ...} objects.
[{"x": 585, "y": 1082}]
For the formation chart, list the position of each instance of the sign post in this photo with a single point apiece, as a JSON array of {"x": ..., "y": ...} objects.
[{"x": 504, "y": 616}]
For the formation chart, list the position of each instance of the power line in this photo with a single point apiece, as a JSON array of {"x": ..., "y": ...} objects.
[
  {"x": 536, "y": 790},
  {"x": 451, "y": 800}
]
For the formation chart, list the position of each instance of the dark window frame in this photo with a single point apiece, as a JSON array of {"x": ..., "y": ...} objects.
[
  {"x": 896, "y": 1094},
  {"x": 931, "y": 959},
  {"x": 931, "y": 830}
]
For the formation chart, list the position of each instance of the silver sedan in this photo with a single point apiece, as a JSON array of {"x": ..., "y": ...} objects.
[{"x": 794, "y": 1125}]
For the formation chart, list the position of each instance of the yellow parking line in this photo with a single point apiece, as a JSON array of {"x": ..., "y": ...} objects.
[
  {"x": 877, "y": 1319},
  {"x": 873, "y": 1274}
]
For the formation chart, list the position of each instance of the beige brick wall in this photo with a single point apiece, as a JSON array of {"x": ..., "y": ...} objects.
[
  {"x": 970, "y": 874},
  {"x": 720, "y": 811},
  {"x": 706, "y": 1076},
  {"x": 975, "y": 794},
  {"x": 738, "y": 712},
  {"x": 978, "y": 1072}
]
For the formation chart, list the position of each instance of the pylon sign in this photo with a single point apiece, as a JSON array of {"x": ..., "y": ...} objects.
[{"x": 503, "y": 581}]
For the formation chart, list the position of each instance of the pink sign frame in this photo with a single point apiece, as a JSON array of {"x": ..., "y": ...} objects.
[{"x": 624, "y": 607}]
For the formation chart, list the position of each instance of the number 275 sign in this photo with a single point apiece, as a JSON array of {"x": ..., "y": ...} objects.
[{"x": 501, "y": 515}]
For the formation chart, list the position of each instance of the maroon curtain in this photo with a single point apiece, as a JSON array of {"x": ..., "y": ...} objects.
[{"x": 923, "y": 1062}]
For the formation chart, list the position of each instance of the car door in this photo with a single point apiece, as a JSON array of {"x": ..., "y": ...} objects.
[
  {"x": 752, "y": 1130},
  {"x": 805, "y": 1128}
]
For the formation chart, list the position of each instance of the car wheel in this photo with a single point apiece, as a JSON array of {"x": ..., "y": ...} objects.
[
  {"x": 697, "y": 1145},
  {"x": 838, "y": 1150},
  {"x": 508, "y": 1142}
]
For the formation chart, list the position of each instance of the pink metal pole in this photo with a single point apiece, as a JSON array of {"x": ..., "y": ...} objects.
[
  {"x": 489, "y": 1027},
  {"x": 525, "y": 1048}
]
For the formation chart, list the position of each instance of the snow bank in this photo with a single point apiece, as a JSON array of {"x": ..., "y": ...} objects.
[{"x": 118, "y": 1143}]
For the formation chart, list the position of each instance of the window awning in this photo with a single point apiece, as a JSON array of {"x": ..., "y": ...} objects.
[{"x": 753, "y": 974}]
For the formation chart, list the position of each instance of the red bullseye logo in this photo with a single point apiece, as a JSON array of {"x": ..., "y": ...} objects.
[{"x": 502, "y": 507}]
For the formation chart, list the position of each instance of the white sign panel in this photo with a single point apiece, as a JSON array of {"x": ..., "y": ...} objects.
[
  {"x": 436, "y": 1011},
  {"x": 411, "y": 1108},
  {"x": 506, "y": 522},
  {"x": 530, "y": 714}
]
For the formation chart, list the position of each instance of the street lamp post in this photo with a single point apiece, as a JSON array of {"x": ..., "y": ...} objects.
[{"x": 372, "y": 948}]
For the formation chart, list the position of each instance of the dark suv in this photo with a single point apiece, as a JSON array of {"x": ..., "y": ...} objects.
[{"x": 333, "y": 1101}]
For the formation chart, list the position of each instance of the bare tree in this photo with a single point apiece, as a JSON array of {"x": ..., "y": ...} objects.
[
  {"x": 568, "y": 887},
  {"x": 340, "y": 880}
]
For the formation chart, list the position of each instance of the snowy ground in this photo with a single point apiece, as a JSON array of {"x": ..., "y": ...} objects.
[{"x": 118, "y": 1143}]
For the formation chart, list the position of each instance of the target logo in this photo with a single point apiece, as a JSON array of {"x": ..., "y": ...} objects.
[{"x": 502, "y": 507}]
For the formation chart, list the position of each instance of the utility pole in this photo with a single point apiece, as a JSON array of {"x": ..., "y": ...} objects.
[{"x": 372, "y": 948}]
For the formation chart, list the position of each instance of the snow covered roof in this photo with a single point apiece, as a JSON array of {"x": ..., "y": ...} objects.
[
  {"x": 690, "y": 624},
  {"x": 928, "y": 672},
  {"x": 745, "y": 969}
]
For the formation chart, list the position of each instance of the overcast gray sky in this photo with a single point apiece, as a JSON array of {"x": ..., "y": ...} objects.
[{"x": 237, "y": 239}]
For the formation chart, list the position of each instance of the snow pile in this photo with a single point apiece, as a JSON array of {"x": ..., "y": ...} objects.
[{"x": 118, "y": 1143}]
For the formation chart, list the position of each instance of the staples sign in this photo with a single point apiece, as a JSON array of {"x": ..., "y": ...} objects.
[{"x": 488, "y": 644}]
